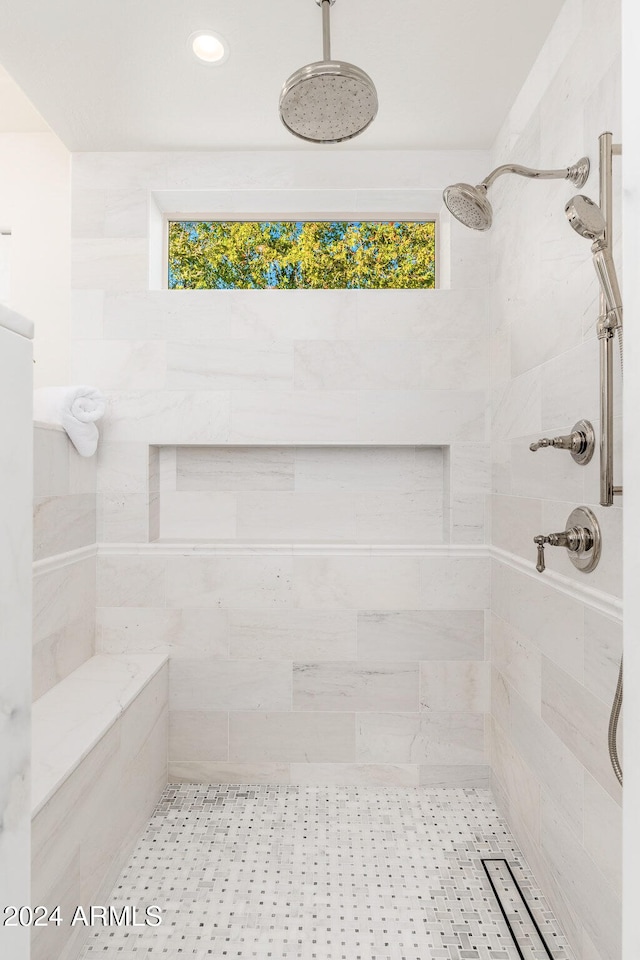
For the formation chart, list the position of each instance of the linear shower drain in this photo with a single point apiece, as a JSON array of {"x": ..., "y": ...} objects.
[{"x": 521, "y": 923}]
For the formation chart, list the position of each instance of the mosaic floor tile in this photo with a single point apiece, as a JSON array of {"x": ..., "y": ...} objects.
[{"x": 321, "y": 873}]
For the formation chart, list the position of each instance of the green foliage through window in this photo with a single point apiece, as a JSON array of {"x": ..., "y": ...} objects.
[{"x": 296, "y": 255}]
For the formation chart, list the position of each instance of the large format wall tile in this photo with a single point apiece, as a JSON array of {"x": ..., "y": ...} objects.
[
  {"x": 197, "y": 515},
  {"x": 386, "y": 315},
  {"x": 603, "y": 831},
  {"x": 355, "y": 583},
  {"x": 64, "y": 616},
  {"x": 301, "y": 416},
  {"x": 582, "y": 883},
  {"x": 545, "y": 754},
  {"x": 125, "y": 581},
  {"x": 119, "y": 362},
  {"x": 356, "y": 686},
  {"x": 64, "y": 589},
  {"x": 199, "y": 735},
  {"x": 355, "y": 774},
  {"x": 293, "y": 634},
  {"x": 436, "y": 738},
  {"x": 175, "y": 416},
  {"x": 457, "y": 683},
  {"x": 296, "y": 516},
  {"x": 241, "y": 582},
  {"x": 309, "y": 738},
  {"x": 580, "y": 720},
  {"x": 63, "y": 523},
  {"x": 355, "y": 365},
  {"x": 190, "y": 634},
  {"x": 421, "y": 635},
  {"x": 552, "y": 621},
  {"x": 517, "y": 784},
  {"x": 51, "y": 467},
  {"x": 211, "y": 771},
  {"x": 602, "y": 652},
  {"x": 230, "y": 685},
  {"x": 228, "y": 365},
  {"x": 418, "y": 416},
  {"x": 235, "y": 468},
  {"x": 470, "y": 476},
  {"x": 454, "y": 584},
  {"x": 454, "y": 775},
  {"x": 518, "y": 660}
]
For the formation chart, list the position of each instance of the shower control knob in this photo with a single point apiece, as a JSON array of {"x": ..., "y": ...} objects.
[
  {"x": 581, "y": 539},
  {"x": 580, "y": 442}
]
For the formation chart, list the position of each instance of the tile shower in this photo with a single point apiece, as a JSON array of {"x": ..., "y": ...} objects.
[{"x": 320, "y": 506}]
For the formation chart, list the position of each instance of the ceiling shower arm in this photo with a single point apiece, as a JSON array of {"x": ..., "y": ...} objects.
[
  {"x": 326, "y": 27},
  {"x": 577, "y": 173}
]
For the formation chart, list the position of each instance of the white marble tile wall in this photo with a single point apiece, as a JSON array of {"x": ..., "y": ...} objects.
[
  {"x": 64, "y": 515},
  {"x": 64, "y": 593},
  {"x": 554, "y": 651},
  {"x": 230, "y": 414},
  {"x": 16, "y": 457},
  {"x": 308, "y": 669},
  {"x": 304, "y": 494}
]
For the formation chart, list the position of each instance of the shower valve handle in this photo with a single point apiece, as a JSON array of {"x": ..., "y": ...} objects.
[
  {"x": 580, "y": 442},
  {"x": 563, "y": 443},
  {"x": 581, "y": 539},
  {"x": 553, "y": 540}
]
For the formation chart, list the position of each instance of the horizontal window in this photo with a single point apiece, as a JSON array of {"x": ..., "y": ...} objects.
[{"x": 301, "y": 255}]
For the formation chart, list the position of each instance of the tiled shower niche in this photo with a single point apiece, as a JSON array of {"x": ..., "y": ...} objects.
[{"x": 296, "y": 494}]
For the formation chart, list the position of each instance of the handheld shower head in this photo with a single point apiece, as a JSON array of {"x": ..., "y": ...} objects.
[
  {"x": 585, "y": 217},
  {"x": 328, "y": 101},
  {"x": 471, "y": 207}
]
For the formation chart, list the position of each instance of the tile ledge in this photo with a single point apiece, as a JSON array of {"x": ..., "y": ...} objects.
[
  {"x": 605, "y": 603},
  {"x": 211, "y": 548},
  {"x": 598, "y": 600},
  {"x": 16, "y": 323},
  {"x": 48, "y": 425},
  {"x": 58, "y": 560}
]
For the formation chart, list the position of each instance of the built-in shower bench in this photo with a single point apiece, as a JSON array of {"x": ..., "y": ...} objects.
[{"x": 99, "y": 764}]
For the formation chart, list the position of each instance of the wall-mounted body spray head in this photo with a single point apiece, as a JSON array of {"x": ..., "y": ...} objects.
[
  {"x": 588, "y": 221},
  {"x": 470, "y": 205},
  {"x": 330, "y": 100}
]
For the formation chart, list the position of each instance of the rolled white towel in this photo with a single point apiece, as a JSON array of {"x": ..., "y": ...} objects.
[{"x": 74, "y": 408}]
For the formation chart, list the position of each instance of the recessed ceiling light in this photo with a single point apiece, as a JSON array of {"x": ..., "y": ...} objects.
[{"x": 208, "y": 46}]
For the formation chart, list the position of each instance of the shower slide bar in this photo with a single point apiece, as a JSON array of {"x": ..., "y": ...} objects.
[{"x": 608, "y": 322}]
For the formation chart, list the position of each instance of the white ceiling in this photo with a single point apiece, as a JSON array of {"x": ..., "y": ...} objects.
[
  {"x": 119, "y": 75},
  {"x": 17, "y": 114}
]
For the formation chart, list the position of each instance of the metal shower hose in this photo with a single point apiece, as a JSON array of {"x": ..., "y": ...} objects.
[{"x": 617, "y": 698}]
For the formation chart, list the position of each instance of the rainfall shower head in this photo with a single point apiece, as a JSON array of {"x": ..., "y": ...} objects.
[
  {"x": 330, "y": 100},
  {"x": 471, "y": 207}
]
